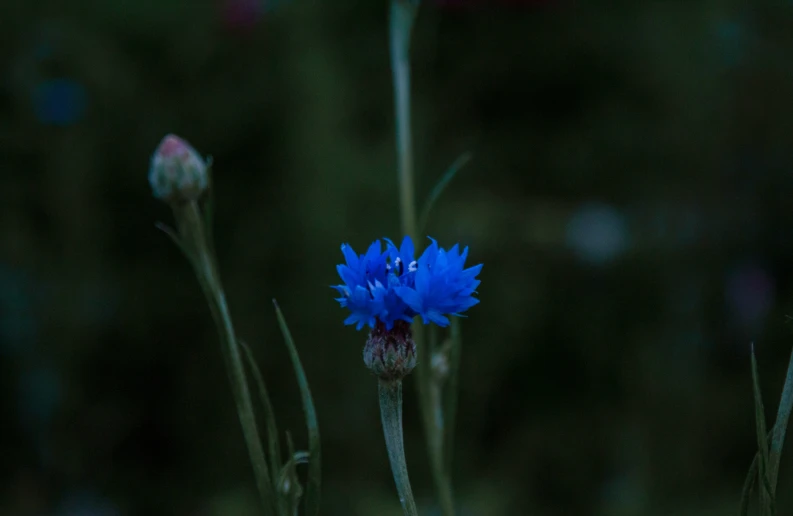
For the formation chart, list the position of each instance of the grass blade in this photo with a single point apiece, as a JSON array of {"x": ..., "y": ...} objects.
[
  {"x": 436, "y": 192},
  {"x": 315, "y": 460},
  {"x": 274, "y": 446},
  {"x": 749, "y": 483},
  {"x": 288, "y": 482},
  {"x": 780, "y": 427},
  {"x": 766, "y": 495},
  {"x": 298, "y": 457},
  {"x": 748, "y": 486}
]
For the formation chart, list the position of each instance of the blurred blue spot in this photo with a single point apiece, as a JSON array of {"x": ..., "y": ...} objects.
[
  {"x": 750, "y": 295},
  {"x": 597, "y": 233},
  {"x": 85, "y": 503},
  {"x": 59, "y": 102},
  {"x": 39, "y": 395},
  {"x": 44, "y": 50},
  {"x": 624, "y": 494},
  {"x": 731, "y": 38},
  {"x": 17, "y": 325}
]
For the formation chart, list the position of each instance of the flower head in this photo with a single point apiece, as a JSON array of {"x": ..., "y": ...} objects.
[
  {"x": 177, "y": 173},
  {"x": 389, "y": 285}
]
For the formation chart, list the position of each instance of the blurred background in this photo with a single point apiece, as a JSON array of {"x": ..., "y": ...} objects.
[{"x": 629, "y": 195}]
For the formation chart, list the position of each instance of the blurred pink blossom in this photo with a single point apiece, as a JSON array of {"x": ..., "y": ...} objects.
[
  {"x": 749, "y": 294},
  {"x": 241, "y": 15}
]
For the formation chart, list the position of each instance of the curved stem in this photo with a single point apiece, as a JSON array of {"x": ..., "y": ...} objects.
[
  {"x": 192, "y": 228},
  {"x": 391, "y": 416}
]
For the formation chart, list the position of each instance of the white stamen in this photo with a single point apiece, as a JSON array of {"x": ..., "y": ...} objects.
[{"x": 413, "y": 266}]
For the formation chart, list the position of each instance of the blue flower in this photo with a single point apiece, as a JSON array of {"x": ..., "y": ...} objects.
[
  {"x": 442, "y": 285},
  {"x": 389, "y": 286}
]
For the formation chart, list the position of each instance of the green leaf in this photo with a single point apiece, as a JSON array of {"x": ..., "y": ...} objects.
[
  {"x": 274, "y": 446},
  {"x": 750, "y": 482},
  {"x": 780, "y": 426},
  {"x": 748, "y": 486},
  {"x": 436, "y": 192},
  {"x": 288, "y": 484},
  {"x": 766, "y": 494},
  {"x": 315, "y": 460},
  {"x": 298, "y": 457}
]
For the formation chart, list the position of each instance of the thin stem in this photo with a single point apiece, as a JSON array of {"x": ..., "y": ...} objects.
[
  {"x": 402, "y": 15},
  {"x": 192, "y": 228},
  {"x": 780, "y": 427},
  {"x": 450, "y": 401},
  {"x": 435, "y": 445},
  {"x": 391, "y": 416},
  {"x": 401, "y": 24}
]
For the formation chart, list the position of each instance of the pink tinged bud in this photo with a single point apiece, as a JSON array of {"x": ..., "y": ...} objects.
[{"x": 178, "y": 173}]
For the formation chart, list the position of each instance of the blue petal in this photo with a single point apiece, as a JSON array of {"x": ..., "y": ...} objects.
[
  {"x": 348, "y": 276},
  {"x": 422, "y": 280},
  {"x": 454, "y": 253},
  {"x": 410, "y": 297},
  {"x": 463, "y": 257},
  {"x": 441, "y": 261},
  {"x": 429, "y": 255},
  {"x": 349, "y": 256},
  {"x": 374, "y": 251},
  {"x": 436, "y": 317},
  {"x": 407, "y": 251},
  {"x": 473, "y": 271}
]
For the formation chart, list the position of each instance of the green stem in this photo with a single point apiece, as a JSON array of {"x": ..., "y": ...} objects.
[
  {"x": 450, "y": 401},
  {"x": 780, "y": 427},
  {"x": 402, "y": 15},
  {"x": 391, "y": 416},
  {"x": 193, "y": 230},
  {"x": 435, "y": 445},
  {"x": 401, "y": 19}
]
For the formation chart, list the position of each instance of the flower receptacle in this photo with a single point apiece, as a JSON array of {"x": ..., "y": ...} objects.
[{"x": 390, "y": 354}]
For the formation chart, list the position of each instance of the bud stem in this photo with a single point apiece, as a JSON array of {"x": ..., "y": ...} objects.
[
  {"x": 391, "y": 416},
  {"x": 192, "y": 228}
]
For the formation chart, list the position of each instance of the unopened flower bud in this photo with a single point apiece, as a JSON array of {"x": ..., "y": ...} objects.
[
  {"x": 390, "y": 354},
  {"x": 178, "y": 173}
]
